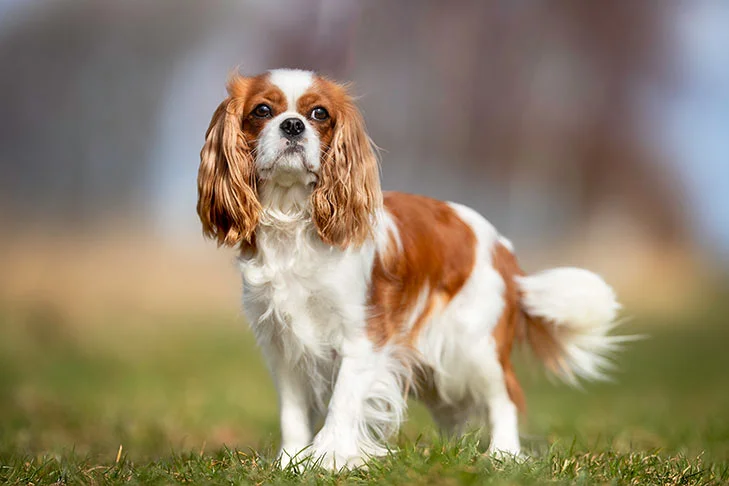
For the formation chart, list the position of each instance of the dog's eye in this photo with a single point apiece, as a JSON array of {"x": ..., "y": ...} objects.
[
  {"x": 262, "y": 111},
  {"x": 319, "y": 113}
]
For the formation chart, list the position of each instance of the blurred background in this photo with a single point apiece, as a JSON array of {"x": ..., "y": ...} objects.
[{"x": 590, "y": 133}]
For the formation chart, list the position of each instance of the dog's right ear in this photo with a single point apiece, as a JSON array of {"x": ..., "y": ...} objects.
[{"x": 227, "y": 202}]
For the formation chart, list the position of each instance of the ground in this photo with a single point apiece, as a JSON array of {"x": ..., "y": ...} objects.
[{"x": 160, "y": 399}]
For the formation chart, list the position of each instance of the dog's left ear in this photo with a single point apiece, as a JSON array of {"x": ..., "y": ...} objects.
[{"x": 348, "y": 192}]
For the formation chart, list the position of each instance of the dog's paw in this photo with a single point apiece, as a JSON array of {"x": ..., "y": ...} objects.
[
  {"x": 336, "y": 461},
  {"x": 506, "y": 454},
  {"x": 334, "y": 455}
]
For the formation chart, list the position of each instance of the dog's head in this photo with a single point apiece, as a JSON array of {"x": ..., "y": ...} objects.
[{"x": 288, "y": 128}]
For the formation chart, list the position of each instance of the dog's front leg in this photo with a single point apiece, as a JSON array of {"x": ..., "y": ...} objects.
[
  {"x": 294, "y": 408},
  {"x": 367, "y": 405}
]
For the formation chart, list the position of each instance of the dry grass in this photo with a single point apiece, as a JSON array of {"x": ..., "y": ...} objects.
[{"x": 87, "y": 277}]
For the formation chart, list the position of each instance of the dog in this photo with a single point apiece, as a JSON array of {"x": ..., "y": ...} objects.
[{"x": 358, "y": 298}]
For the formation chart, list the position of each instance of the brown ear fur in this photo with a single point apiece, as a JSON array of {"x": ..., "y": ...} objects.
[
  {"x": 348, "y": 193},
  {"x": 227, "y": 203}
]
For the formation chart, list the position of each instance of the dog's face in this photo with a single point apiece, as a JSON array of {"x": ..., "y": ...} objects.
[
  {"x": 291, "y": 126},
  {"x": 287, "y": 128}
]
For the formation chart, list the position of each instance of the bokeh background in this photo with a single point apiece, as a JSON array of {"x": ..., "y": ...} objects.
[{"x": 590, "y": 133}]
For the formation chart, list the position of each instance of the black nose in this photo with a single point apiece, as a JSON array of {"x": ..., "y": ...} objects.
[{"x": 292, "y": 127}]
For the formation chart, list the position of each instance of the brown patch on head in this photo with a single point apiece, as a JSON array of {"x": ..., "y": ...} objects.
[
  {"x": 347, "y": 194},
  {"x": 253, "y": 92},
  {"x": 228, "y": 204},
  {"x": 437, "y": 257},
  {"x": 510, "y": 325},
  {"x": 330, "y": 96}
]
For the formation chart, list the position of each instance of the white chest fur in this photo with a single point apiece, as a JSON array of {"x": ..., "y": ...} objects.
[{"x": 300, "y": 295}]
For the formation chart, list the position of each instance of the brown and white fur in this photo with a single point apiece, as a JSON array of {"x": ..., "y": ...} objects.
[{"x": 358, "y": 298}]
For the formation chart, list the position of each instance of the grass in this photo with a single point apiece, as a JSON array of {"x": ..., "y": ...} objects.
[{"x": 164, "y": 400}]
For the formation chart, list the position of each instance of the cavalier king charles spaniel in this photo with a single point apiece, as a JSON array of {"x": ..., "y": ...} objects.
[{"x": 360, "y": 298}]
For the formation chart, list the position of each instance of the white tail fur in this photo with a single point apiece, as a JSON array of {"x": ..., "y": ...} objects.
[{"x": 569, "y": 314}]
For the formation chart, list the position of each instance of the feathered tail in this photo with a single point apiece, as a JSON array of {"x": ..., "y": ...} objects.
[{"x": 569, "y": 315}]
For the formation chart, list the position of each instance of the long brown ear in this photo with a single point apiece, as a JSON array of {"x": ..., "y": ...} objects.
[
  {"x": 226, "y": 183},
  {"x": 348, "y": 193}
]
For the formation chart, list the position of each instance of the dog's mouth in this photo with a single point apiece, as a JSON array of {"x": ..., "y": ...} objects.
[
  {"x": 293, "y": 148},
  {"x": 290, "y": 161}
]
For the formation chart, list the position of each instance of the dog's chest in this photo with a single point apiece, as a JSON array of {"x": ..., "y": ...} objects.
[{"x": 300, "y": 294}]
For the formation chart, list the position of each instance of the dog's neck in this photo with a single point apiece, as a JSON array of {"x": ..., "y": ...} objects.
[
  {"x": 284, "y": 206},
  {"x": 286, "y": 226}
]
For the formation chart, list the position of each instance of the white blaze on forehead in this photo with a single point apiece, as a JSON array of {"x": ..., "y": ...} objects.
[{"x": 293, "y": 83}]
